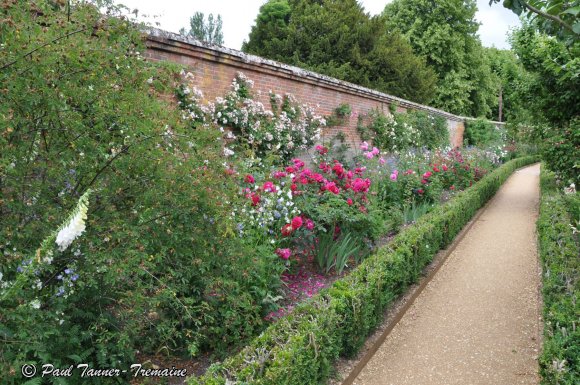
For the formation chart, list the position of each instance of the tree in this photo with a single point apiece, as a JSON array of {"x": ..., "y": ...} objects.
[
  {"x": 210, "y": 32},
  {"x": 514, "y": 81},
  {"x": 445, "y": 32},
  {"x": 556, "y": 66},
  {"x": 556, "y": 17},
  {"x": 337, "y": 38}
]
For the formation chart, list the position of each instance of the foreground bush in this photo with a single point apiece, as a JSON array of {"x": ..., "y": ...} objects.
[
  {"x": 560, "y": 258},
  {"x": 159, "y": 268},
  {"x": 302, "y": 347}
]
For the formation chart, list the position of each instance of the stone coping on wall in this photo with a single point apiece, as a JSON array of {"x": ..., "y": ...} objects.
[{"x": 184, "y": 45}]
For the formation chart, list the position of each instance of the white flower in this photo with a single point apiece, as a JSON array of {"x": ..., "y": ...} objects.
[
  {"x": 1, "y": 275},
  {"x": 228, "y": 152},
  {"x": 35, "y": 304},
  {"x": 150, "y": 81},
  {"x": 75, "y": 227}
]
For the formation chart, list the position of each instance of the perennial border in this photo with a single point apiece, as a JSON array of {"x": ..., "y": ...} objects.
[{"x": 302, "y": 347}]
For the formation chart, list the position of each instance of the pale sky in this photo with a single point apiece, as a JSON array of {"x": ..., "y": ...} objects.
[{"x": 239, "y": 16}]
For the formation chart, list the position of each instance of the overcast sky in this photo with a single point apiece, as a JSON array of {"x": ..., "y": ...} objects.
[{"x": 239, "y": 15}]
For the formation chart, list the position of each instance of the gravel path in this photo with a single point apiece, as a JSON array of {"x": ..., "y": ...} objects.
[{"x": 478, "y": 320}]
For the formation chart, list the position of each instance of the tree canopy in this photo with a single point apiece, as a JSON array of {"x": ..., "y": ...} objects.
[
  {"x": 556, "y": 17},
  {"x": 209, "y": 32},
  {"x": 338, "y": 38},
  {"x": 445, "y": 32}
]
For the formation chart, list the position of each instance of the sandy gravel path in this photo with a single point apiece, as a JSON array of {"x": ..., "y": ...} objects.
[{"x": 478, "y": 320}]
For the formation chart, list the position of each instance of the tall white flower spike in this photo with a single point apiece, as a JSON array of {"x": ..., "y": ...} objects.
[{"x": 76, "y": 224}]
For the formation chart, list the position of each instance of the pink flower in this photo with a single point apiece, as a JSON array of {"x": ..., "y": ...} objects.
[
  {"x": 427, "y": 175},
  {"x": 324, "y": 167},
  {"x": 269, "y": 187},
  {"x": 290, "y": 170},
  {"x": 309, "y": 224},
  {"x": 284, "y": 253},
  {"x": 452, "y": 188},
  {"x": 349, "y": 201},
  {"x": 420, "y": 191},
  {"x": 296, "y": 223},
  {"x": 293, "y": 187},
  {"x": 382, "y": 161},
  {"x": 424, "y": 181},
  {"x": 338, "y": 169},
  {"x": 298, "y": 163},
  {"x": 360, "y": 185},
  {"x": 369, "y": 154},
  {"x": 375, "y": 151},
  {"x": 321, "y": 149},
  {"x": 279, "y": 174},
  {"x": 331, "y": 186},
  {"x": 359, "y": 170},
  {"x": 444, "y": 168},
  {"x": 394, "y": 175},
  {"x": 364, "y": 146},
  {"x": 318, "y": 178},
  {"x": 249, "y": 179}
]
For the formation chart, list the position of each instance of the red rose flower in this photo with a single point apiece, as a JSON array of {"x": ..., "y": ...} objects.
[
  {"x": 349, "y": 201},
  {"x": 249, "y": 179},
  {"x": 287, "y": 230}
]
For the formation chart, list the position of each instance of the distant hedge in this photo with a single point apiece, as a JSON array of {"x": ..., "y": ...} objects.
[
  {"x": 302, "y": 347},
  {"x": 560, "y": 258}
]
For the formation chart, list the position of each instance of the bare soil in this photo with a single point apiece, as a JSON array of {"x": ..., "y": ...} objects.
[{"x": 478, "y": 320}]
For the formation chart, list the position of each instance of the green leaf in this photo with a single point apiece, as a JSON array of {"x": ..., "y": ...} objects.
[{"x": 573, "y": 11}]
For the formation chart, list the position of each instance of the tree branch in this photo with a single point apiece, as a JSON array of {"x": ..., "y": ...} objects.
[
  {"x": 42, "y": 46},
  {"x": 548, "y": 16}
]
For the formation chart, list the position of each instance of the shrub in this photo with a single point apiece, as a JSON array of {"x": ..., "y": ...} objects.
[
  {"x": 301, "y": 348},
  {"x": 481, "y": 133},
  {"x": 396, "y": 132},
  {"x": 559, "y": 251},
  {"x": 562, "y": 152},
  {"x": 159, "y": 268}
]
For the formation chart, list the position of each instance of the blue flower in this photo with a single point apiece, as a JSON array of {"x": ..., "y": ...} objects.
[
  {"x": 74, "y": 277},
  {"x": 59, "y": 277},
  {"x": 277, "y": 215},
  {"x": 68, "y": 271},
  {"x": 60, "y": 291}
]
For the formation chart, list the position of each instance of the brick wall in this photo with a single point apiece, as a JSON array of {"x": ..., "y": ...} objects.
[{"x": 214, "y": 69}]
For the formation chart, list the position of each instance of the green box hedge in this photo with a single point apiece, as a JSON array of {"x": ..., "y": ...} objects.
[
  {"x": 302, "y": 347},
  {"x": 560, "y": 258}
]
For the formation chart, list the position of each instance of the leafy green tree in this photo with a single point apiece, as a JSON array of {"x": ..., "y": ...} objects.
[
  {"x": 555, "y": 90},
  {"x": 556, "y": 17},
  {"x": 513, "y": 81},
  {"x": 209, "y": 32},
  {"x": 445, "y": 32},
  {"x": 337, "y": 38}
]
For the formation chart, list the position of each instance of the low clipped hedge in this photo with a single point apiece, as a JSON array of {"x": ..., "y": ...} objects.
[
  {"x": 302, "y": 347},
  {"x": 560, "y": 258}
]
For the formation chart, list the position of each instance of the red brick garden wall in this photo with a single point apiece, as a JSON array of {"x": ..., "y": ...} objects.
[{"x": 214, "y": 68}]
